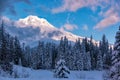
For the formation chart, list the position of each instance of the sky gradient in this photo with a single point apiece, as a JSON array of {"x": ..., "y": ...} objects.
[{"x": 81, "y": 17}]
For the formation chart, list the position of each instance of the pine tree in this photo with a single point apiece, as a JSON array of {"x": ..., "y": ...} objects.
[
  {"x": 60, "y": 49},
  {"x": 41, "y": 51},
  {"x": 54, "y": 55},
  {"x": 69, "y": 57},
  {"x": 95, "y": 54},
  {"x": 104, "y": 47},
  {"x": 99, "y": 61},
  {"x": 4, "y": 50},
  {"x": 115, "y": 68},
  {"x": 92, "y": 52},
  {"x": 88, "y": 61},
  {"x": 17, "y": 51},
  {"x": 3, "y": 56},
  {"x": 26, "y": 56},
  {"x": 48, "y": 56},
  {"x": 61, "y": 70},
  {"x": 78, "y": 56},
  {"x": 85, "y": 55}
]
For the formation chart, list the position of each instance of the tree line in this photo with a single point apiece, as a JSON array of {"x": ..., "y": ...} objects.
[{"x": 80, "y": 55}]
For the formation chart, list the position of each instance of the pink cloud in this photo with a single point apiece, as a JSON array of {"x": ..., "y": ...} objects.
[
  {"x": 69, "y": 27},
  {"x": 110, "y": 10},
  {"x": 108, "y": 21},
  {"x": 110, "y": 17},
  {"x": 74, "y": 5},
  {"x": 85, "y": 27}
]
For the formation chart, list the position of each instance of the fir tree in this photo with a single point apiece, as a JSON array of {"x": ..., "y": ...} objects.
[
  {"x": 104, "y": 47},
  {"x": 115, "y": 68},
  {"x": 48, "y": 56},
  {"x": 4, "y": 51},
  {"x": 61, "y": 70},
  {"x": 99, "y": 61},
  {"x": 17, "y": 51}
]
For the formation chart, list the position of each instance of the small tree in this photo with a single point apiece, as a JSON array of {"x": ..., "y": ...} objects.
[{"x": 61, "y": 70}]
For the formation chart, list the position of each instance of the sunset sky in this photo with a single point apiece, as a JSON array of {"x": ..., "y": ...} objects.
[{"x": 81, "y": 17}]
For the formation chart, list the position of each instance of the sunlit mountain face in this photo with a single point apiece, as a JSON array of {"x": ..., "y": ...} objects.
[{"x": 32, "y": 29}]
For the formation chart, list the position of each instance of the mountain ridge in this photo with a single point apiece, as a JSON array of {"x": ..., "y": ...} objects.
[{"x": 32, "y": 29}]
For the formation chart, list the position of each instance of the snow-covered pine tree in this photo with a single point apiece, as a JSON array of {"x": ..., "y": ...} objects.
[
  {"x": 18, "y": 51},
  {"x": 77, "y": 55},
  {"x": 104, "y": 47},
  {"x": 61, "y": 70},
  {"x": 92, "y": 51},
  {"x": 85, "y": 55},
  {"x": 88, "y": 61},
  {"x": 99, "y": 61},
  {"x": 41, "y": 50},
  {"x": 115, "y": 68},
  {"x": 54, "y": 55},
  {"x": 4, "y": 48},
  {"x": 70, "y": 57},
  {"x": 81, "y": 56},
  {"x": 27, "y": 56},
  {"x": 48, "y": 56},
  {"x": 60, "y": 49}
]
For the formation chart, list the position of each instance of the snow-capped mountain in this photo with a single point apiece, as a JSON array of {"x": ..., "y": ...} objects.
[{"x": 32, "y": 29}]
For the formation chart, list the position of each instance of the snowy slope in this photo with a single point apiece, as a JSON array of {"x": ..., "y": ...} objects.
[
  {"x": 46, "y": 29},
  {"x": 32, "y": 29},
  {"x": 48, "y": 75}
]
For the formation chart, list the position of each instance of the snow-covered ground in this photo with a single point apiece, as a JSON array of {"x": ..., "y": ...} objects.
[{"x": 48, "y": 75}]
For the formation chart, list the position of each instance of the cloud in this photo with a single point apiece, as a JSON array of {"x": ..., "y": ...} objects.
[
  {"x": 44, "y": 8},
  {"x": 74, "y": 5},
  {"x": 110, "y": 17},
  {"x": 69, "y": 27},
  {"x": 85, "y": 27},
  {"x": 106, "y": 22},
  {"x": 109, "y": 10},
  {"x": 9, "y": 5},
  {"x": 5, "y": 20}
]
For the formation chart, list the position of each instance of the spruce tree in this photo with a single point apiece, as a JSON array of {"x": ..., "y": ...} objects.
[
  {"x": 17, "y": 51},
  {"x": 48, "y": 56},
  {"x": 99, "y": 61},
  {"x": 115, "y": 68},
  {"x": 104, "y": 47},
  {"x": 3, "y": 50},
  {"x": 61, "y": 70},
  {"x": 4, "y": 56}
]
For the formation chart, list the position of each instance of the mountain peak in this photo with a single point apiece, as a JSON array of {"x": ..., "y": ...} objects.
[
  {"x": 33, "y": 21},
  {"x": 33, "y": 18},
  {"x": 32, "y": 29}
]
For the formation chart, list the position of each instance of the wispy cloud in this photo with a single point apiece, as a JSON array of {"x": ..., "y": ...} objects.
[
  {"x": 110, "y": 17},
  {"x": 9, "y": 5},
  {"x": 110, "y": 10},
  {"x": 74, "y": 5},
  {"x": 85, "y": 27},
  {"x": 69, "y": 27},
  {"x": 106, "y": 22}
]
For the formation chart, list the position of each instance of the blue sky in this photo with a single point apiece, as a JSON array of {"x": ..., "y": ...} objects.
[{"x": 81, "y": 17}]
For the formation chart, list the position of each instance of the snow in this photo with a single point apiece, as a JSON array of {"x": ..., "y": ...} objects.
[
  {"x": 41, "y": 30},
  {"x": 48, "y": 75},
  {"x": 34, "y": 21}
]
